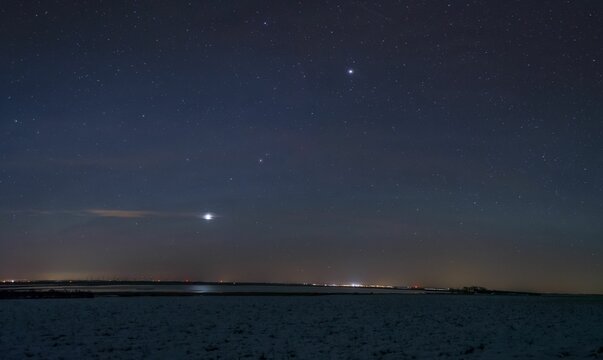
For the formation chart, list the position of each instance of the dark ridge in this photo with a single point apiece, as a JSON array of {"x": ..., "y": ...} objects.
[{"x": 49, "y": 294}]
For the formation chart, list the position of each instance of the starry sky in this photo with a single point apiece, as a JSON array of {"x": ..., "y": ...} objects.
[{"x": 424, "y": 143}]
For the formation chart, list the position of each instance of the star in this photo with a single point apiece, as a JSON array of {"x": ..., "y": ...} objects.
[
  {"x": 350, "y": 71},
  {"x": 208, "y": 216}
]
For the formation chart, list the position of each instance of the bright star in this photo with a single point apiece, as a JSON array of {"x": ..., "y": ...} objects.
[
  {"x": 208, "y": 216},
  {"x": 350, "y": 71}
]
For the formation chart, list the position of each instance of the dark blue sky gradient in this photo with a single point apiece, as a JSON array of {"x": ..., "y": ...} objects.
[{"x": 466, "y": 148}]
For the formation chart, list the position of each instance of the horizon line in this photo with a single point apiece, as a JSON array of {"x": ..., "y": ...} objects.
[{"x": 349, "y": 285}]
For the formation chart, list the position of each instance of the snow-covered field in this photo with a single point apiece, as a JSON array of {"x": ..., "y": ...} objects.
[{"x": 303, "y": 327}]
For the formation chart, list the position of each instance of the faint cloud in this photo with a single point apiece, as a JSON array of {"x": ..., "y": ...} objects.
[
  {"x": 108, "y": 213},
  {"x": 128, "y": 214}
]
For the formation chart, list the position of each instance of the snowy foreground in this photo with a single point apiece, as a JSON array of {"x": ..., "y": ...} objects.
[{"x": 306, "y": 327}]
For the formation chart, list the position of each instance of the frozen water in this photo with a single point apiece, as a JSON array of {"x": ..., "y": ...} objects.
[{"x": 306, "y": 327}]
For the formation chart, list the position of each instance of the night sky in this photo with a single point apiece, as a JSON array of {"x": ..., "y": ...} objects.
[{"x": 413, "y": 142}]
